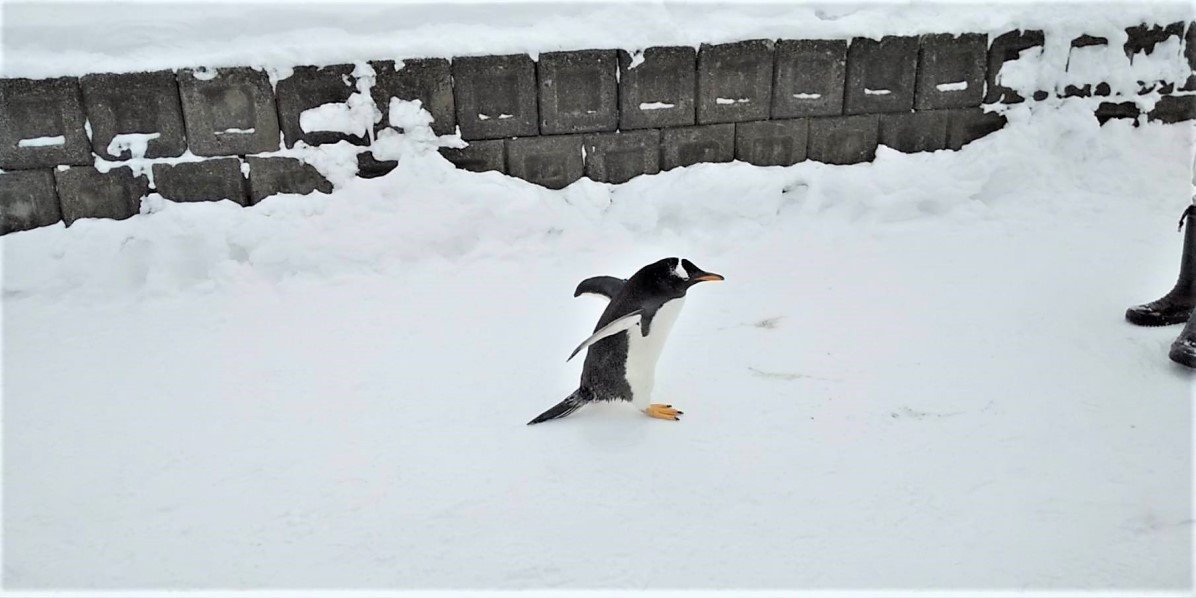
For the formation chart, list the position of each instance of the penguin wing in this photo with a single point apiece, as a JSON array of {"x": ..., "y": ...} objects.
[
  {"x": 622, "y": 324},
  {"x": 607, "y": 286}
]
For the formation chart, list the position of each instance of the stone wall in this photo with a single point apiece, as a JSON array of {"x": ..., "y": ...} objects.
[{"x": 602, "y": 114}]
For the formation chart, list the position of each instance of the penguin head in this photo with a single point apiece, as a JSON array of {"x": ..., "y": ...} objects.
[{"x": 678, "y": 274}]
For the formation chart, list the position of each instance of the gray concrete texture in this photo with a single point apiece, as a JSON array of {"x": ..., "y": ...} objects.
[
  {"x": 429, "y": 80},
  {"x": 772, "y": 142},
  {"x": 881, "y": 75},
  {"x": 620, "y": 157},
  {"x": 910, "y": 132},
  {"x": 659, "y": 90},
  {"x": 495, "y": 96},
  {"x": 27, "y": 200},
  {"x": 966, "y": 125},
  {"x": 84, "y": 192},
  {"x": 479, "y": 156},
  {"x": 578, "y": 91},
  {"x": 951, "y": 71},
  {"x": 210, "y": 180},
  {"x": 809, "y": 78},
  {"x": 1143, "y": 38},
  {"x": 310, "y": 87},
  {"x": 135, "y": 103},
  {"x": 370, "y": 167},
  {"x": 735, "y": 82},
  {"x": 1107, "y": 111},
  {"x": 232, "y": 113},
  {"x": 684, "y": 146},
  {"x": 843, "y": 139},
  {"x": 42, "y": 123},
  {"x": 1173, "y": 109},
  {"x": 274, "y": 175},
  {"x": 553, "y": 162}
]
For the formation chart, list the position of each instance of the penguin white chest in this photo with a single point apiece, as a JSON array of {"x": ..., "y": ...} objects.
[{"x": 644, "y": 351}]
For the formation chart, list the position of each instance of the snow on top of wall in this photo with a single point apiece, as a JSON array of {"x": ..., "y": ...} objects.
[{"x": 277, "y": 35}]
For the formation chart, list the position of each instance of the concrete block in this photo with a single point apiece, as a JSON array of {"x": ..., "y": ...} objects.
[
  {"x": 911, "y": 132},
  {"x": 1109, "y": 110},
  {"x": 1173, "y": 109},
  {"x": 809, "y": 78},
  {"x": 370, "y": 167},
  {"x": 1076, "y": 56},
  {"x": 1006, "y": 47},
  {"x": 772, "y": 142},
  {"x": 843, "y": 139},
  {"x": 1085, "y": 90},
  {"x": 134, "y": 103},
  {"x": 84, "y": 192},
  {"x": 1143, "y": 38},
  {"x": 684, "y": 146},
  {"x": 951, "y": 71},
  {"x": 41, "y": 124},
  {"x": 659, "y": 91},
  {"x": 27, "y": 200},
  {"x": 495, "y": 96},
  {"x": 1140, "y": 43},
  {"x": 619, "y": 157},
  {"x": 552, "y": 162},
  {"x": 735, "y": 82},
  {"x": 311, "y": 87},
  {"x": 210, "y": 180},
  {"x": 881, "y": 75},
  {"x": 429, "y": 80},
  {"x": 1086, "y": 40},
  {"x": 578, "y": 91},
  {"x": 479, "y": 156},
  {"x": 969, "y": 124},
  {"x": 230, "y": 113},
  {"x": 273, "y": 175}
]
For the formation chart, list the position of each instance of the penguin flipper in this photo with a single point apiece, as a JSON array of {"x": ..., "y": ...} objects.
[
  {"x": 622, "y": 324},
  {"x": 646, "y": 320},
  {"x": 607, "y": 286}
]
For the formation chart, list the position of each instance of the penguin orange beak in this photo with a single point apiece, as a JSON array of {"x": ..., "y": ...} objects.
[{"x": 709, "y": 277}]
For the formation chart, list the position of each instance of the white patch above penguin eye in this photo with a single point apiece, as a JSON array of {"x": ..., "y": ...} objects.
[{"x": 680, "y": 272}]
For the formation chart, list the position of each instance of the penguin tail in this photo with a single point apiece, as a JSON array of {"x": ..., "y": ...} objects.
[{"x": 571, "y": 403}]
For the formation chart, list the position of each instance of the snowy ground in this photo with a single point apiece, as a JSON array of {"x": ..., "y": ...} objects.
[{"x": 917, "y": 375}]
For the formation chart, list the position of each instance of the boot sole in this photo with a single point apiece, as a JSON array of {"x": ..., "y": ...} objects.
[{"x": 1153, "y": 321}]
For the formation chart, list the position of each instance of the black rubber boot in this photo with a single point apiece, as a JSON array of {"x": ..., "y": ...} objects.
[
  {"x": 1176, "y": 306},
  {"x": 1183, "y": 350}
]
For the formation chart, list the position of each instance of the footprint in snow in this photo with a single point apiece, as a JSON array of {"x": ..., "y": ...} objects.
[
  {"x": 769, "y": 323},
  {"x": 786, "y": 376}
]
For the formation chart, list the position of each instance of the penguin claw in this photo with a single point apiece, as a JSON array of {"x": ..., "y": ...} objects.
[{"x": 660, "y": 411}]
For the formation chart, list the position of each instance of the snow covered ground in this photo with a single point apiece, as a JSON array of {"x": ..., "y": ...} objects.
[{"x": 917, "y": 375}]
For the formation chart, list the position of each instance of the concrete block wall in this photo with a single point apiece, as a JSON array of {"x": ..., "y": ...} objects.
[{"x": 607, "y": 115}]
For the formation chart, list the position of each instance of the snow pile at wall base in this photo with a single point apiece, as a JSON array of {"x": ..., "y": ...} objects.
[{"x": 427, "y": 211}]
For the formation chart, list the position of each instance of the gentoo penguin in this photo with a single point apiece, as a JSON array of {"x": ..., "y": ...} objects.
[{"x": 621, "y": 363}]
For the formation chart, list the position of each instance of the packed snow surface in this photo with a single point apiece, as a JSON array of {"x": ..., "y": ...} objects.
[{"x": 916, "y": 375}]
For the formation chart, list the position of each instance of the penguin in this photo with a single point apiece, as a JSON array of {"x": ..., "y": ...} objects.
[{"x": 621, "y": 362}]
